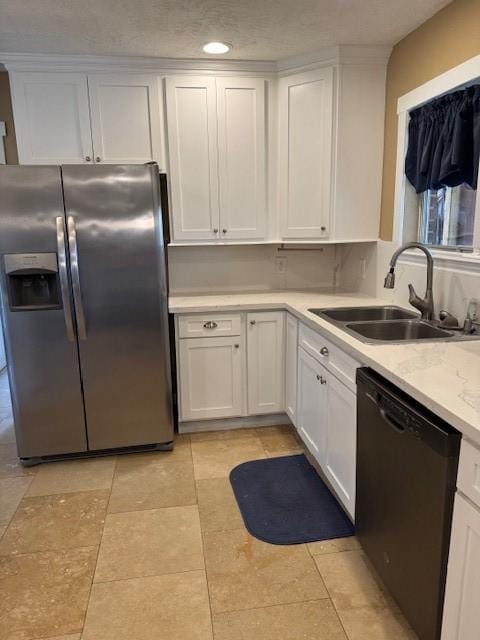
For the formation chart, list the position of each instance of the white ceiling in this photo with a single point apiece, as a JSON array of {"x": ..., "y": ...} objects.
[{"x": 258, "y": 29}]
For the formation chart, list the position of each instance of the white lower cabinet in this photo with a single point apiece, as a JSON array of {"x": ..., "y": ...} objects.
[
  {"x": 291, "y": 357},
  {"x": 211, "y": 377},
  {"x": 341, "y": 441},
  {"x": 265, "y": 362},
  {"x": 461, "y": 615},
  {"x": 311, "y": 404},
  {"x": 327, "y": 423}
]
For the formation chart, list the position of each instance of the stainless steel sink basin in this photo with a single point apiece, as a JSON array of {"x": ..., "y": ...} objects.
[
  {"x": 363, "y": 314},
  {"x": 398, "y": 330},
  {"x": 387, "y": 324}
]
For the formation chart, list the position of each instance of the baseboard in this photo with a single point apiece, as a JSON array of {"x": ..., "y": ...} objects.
[{"x": 222, "y": 424}]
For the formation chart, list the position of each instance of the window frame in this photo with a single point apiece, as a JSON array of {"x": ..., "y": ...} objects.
[{"x": 405, "y": 197}]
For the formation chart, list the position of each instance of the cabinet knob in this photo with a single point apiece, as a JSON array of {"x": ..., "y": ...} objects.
[
  {"x": 323, "y": 228},
  {"x": 252, "y": 322},
  {"x": 88, "y": 159},
  {"x": 318, "y": 376},
  {"x": 215, "y": 230},
  {"x": 224, "y": 231},
  {"x": 98, "y": 159},
  {"x": 324, "y": 351},
  {"x": 323, "y": 380},
  {"x": 237, "y": 346}
]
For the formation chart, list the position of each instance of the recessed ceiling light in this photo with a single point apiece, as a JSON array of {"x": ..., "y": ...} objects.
[{"x": 216, "y": 48}]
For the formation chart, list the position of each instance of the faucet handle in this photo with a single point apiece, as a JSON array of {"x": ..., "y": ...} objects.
[{"x": 448, "y": 320}]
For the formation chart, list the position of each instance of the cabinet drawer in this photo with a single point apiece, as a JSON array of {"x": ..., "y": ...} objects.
[
  {"x": 333, "y": 358},
  {"x": 205, "y": 325},
  {"x": 468, "y": 480}
]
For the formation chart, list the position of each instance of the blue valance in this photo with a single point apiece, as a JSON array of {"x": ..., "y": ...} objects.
[{"x": 444, "y": 141}]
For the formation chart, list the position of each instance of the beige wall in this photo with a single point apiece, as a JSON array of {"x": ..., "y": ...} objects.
[
  {"x": 449, "y": 38},
  {"x": 6, "y": 116}
]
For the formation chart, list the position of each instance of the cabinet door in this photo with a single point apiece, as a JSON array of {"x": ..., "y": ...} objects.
[
  {"x": 305, "y": 150},
  {"x": 291, "y": 357},
  {"x": 265, "y": 362},
  {"x": 311, "y": 404},
  {"x": 125, "y": 112},
  {"x": 241, "y": 157},
  {"x": 192, "y": 153},
  {"x": 341, "y": 441},
  {"x": 461, "y": 614},
  {"x": 210, "y": 371},
  {"x": 52, "y": 118}
]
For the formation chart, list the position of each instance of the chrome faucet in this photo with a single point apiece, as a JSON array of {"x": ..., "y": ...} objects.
[{"x": 424, "y": 305}]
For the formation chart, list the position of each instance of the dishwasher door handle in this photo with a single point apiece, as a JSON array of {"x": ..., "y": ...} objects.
[{"x": 399, "y": 428}]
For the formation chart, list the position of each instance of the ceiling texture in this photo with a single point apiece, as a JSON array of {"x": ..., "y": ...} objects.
[{"x": 257, "y": 29}]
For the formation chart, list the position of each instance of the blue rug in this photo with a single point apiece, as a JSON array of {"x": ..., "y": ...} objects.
[{"x": 284, "y": 501}]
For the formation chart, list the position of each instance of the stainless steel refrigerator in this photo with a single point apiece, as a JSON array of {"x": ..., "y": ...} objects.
[{"x": 84, "y": 307}]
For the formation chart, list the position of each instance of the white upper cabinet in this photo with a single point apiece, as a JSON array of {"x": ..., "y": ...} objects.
[
  {"x": 331, "y": 124},
  {"x": 216, "y": 143},
  {"x": 72, "y": 118},
  {"x": 52, "y": 118},
  {"x": 305, "y": 153},
  {"x": 265, "y": 362},
  {"x": 241, "y": 157},
  {"x": 125, "y": 113},
  {"x": 193, "y": 157}
]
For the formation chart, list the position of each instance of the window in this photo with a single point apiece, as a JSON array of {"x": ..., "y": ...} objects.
[{"x": 446, "y": 217}]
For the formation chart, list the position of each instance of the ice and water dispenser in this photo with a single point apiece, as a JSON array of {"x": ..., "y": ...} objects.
[{"x": 32, "y": 281}]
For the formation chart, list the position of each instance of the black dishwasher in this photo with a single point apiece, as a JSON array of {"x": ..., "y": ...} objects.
[{"x": 407, "y": 461}]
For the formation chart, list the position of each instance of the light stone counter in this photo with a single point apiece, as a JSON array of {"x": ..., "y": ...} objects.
[{"x": 443, "y": 376}]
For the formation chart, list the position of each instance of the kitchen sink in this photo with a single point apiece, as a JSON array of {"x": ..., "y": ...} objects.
[
  {"x": 361, "y": 314},
  {"x": 398, "y": 330},
  {"x": 387, "y": 323}
]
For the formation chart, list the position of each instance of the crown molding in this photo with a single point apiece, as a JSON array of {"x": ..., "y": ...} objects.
[
  {"x": 134, "y": 64},
  {"x": 327, "y": 56},
  {"x": 338, "y": 55}
]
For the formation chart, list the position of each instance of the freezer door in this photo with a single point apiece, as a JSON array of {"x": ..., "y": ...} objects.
[
  {"x": 118, "y": 276},
  {"x": 37, "y": 316}
]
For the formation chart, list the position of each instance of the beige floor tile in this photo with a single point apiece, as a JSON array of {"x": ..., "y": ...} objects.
[
  {"x": 279, "y": 440},
  {"x": 148, "y": 543},
  {"x": 73, "y": 475},
  {"x": 12, "y": 491},
  {"x": 217, "y": 505},
  {"x": 169, "y": 607},
  {"x": 245, "y": 573},
  {"x": 333, "y": 546},
  {"x": 227, "y": 434},
  {"x": 216, "y": 458},
  {"x": 55, "y": 522},
  {"x": 45, "y": 594},
  {"x": 151, "y": 484},
  {"x": 306, "y": 620},
  {"x": 10, "y": 465},
  {"x": 349, "y": 580},
  {"x": 375, "y": 623}
]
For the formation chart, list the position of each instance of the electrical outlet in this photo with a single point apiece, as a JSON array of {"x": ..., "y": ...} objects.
[{"x": 281, "y": 263}]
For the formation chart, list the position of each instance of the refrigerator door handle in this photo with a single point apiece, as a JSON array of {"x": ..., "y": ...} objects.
[
  {"x": 77, "y": 291},
  {"x": 63, "y": 275}
]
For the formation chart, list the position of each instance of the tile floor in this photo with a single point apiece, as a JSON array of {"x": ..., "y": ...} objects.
[{"x": 152, "y": 546}]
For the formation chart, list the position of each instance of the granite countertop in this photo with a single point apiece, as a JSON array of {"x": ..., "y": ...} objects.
[{"x": 443, "y": 376}]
